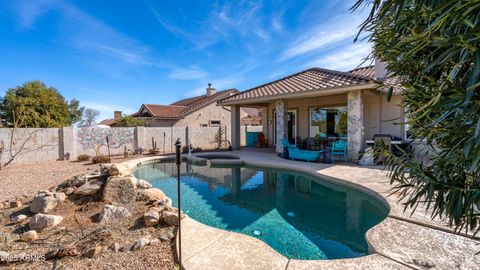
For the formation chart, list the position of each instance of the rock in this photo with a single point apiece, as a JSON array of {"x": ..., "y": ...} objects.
[
  {"x": 151, "y": 194},
  {"x": 93, "y": 252},
  {"x": 89, "y": 188},
  {"x": 60, "y": 196},
  {"x": 171, "y": 218},
  {"x": 119, "y": 190},
  {"x": 15, "y": 204},
  {"x": 141, "y": 243},
  {"x": 51, "y": 254},
  {"x": 43, "y": 221},
  {"x": 69, "y": 190},
  {"x": 157, "y": 209},
  {"x": 164, "y": 238},
  {"x": 126, "y": 248},
  {"x": 43, "y": 204},
  {"x": 154, "y": 242},
  {"x": 68, "y": 252},
  {"x": 115, "y": 247},
  {"x": 151, "y": 218},
  {"x": 111, "y": 212},
  {"x": 19, "y": 218},
  {"x": 142, "y": 184},
  {"x": 119, "y": 170},
  {"x": 78, "y": 180},
  {"x": 29, "y": 236}
]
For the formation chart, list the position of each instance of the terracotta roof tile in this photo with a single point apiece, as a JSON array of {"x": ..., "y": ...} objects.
[
  {"x": 314, "y": 79},
  {"x": 107, "y": 122},
  {"x": 363, "y": 71},
  {"x": 183, "y": 107}
]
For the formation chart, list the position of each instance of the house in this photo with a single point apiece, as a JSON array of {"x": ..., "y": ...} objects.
[
  {"x": 199, "y": 111},
  {"x": 347, "y": 105}
]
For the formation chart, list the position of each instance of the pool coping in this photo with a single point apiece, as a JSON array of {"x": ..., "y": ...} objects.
[{"x": 243, "y": 258}]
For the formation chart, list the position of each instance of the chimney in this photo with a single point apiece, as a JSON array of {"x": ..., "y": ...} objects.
[
  {"x": 380, "y": 69},
  {"x": 210, "y": 90},
  {"x": 117, "y": 115}
]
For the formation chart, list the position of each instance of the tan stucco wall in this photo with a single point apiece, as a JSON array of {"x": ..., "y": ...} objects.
[
  {"x": 383, "y": 117},
  {"x": 203, "y": 115}
]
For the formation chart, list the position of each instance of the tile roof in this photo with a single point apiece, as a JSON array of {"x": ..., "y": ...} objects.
[
  {"x": 310, "y": 80},
  {"x": 108, "y": 122},
  {"x": 183, "y": 107},
  {"x": 363, "y": 71}
]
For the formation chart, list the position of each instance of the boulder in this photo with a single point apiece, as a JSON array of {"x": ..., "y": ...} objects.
[
  {"x": 29, "y": 236},
  {"x": 142, "y": 184},
  {"x": 119, "y": 170},
  {"x": 141, "y": 243},
  {"x": 78, "y": 180},
  {"x": 60, "y": 196},
  {"x": 69, "y": 190},
  {"x": 167, "y": 237},
  {"x": 43, "y": 204},
  {"x": 119, "y": 190},
  {"x": 151, "y": 218},
  {"x": 43, "y": 221},
  {"x": 111, "y": 212},
  {"x": 19, "y": 218},
  {"x": 154, "y": 242},
  {"x": 151, "y": 194},
  {"x": 170, "y": 218},
  {"x": 89, "y": 188},
  {"x": 126, "y": 247}
]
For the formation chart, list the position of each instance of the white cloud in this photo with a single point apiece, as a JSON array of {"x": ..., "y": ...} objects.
[
  {"x": 84, "y": 32},
  {"x": 242, "y": 18},
  {"x": 187, "y": 74},
  {"x": 345, "y": 58},
  {"x": 323, "y": 36}
]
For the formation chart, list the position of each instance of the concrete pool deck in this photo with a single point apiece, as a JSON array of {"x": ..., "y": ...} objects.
[{"x": 401, "y": 241}]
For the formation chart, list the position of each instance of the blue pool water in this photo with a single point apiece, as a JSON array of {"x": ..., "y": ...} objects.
[{"x": 299, "y": 216}]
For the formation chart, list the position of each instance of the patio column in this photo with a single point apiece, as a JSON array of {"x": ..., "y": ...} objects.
[
  {"x": 280, "y": 123},
  {"x": 355, "y": 124},
  {"x": 235, "y": 122}
]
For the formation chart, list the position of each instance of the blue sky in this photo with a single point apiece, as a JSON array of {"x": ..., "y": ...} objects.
[{"x": 116, "y": 55}]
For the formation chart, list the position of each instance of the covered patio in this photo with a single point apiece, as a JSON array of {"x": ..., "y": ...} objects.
[{"x": 323, "y": 106}]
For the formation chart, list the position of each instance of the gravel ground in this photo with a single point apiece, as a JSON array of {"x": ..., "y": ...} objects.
[{"x": 27, "y": 179}]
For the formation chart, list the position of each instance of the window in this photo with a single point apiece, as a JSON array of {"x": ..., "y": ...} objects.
[
  {"x": 328, "y": 122},
  {"x": 214, "y": 123},
  {"x": 203, "y": 125}
]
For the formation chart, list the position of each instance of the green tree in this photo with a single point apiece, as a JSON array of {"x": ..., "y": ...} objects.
[
  {"x": 130, "y": 121},
  {"x": 433, "y": 46},
  {"x": 33, "y": 104},
  {"x": 75, "y": 111}
]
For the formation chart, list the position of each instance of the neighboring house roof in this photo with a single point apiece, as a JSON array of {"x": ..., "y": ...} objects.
[
  {"x": 312, "y": 80},
  {"x": 183, "y": 107},
  {"x": 107, "y": 122},
  {"x": 363, "y": 71}
]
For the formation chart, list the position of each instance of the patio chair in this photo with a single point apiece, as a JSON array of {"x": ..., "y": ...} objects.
[
  {"x": 262, "y": 141},
  {"x": 287, "y": 144},
  {"x": 383, "y": 140},
  {"x": 339, "y": 148}
]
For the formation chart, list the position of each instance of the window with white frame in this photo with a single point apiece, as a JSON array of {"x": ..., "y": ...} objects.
[{"x": 214, "y": 123}]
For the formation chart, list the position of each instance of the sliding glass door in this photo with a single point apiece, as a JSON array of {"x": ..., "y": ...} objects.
[{"x": 328, "y": 122}]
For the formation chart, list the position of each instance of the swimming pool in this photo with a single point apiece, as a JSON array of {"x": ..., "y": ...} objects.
[{"x": 298, "y": 215}]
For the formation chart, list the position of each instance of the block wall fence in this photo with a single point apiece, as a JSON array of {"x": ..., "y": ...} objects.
[{"x": 45, "y": 144}]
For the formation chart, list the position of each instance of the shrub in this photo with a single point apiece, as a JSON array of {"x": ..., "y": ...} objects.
[
  {"x": 83, "y": 157},
  {"x": 101, "y": 159}
]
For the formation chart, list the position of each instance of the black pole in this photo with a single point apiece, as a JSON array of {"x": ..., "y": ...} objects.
[
  {"x": 178, "y": 160},
  {"x": 108, "y": 148}
]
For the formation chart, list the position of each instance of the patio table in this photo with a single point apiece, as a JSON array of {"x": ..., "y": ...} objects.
[{"x": 392, "y": 142}]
